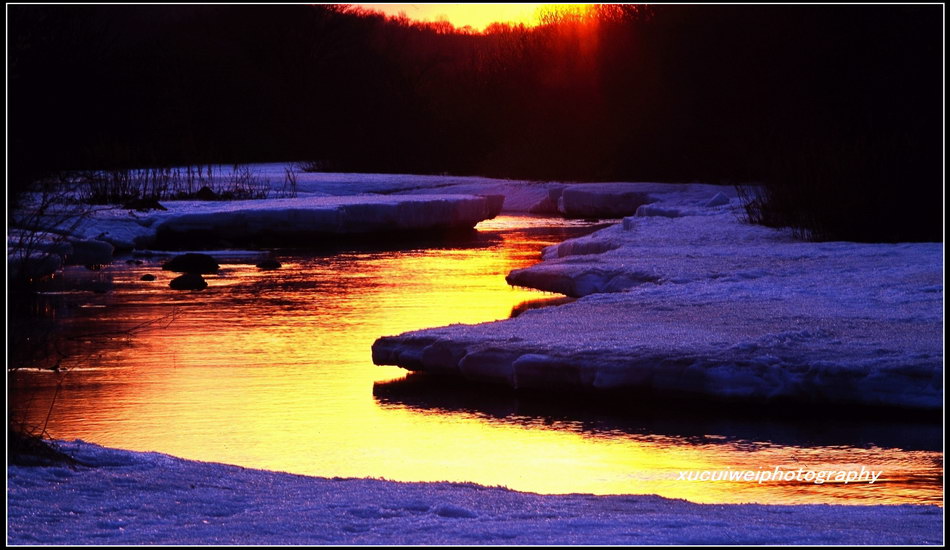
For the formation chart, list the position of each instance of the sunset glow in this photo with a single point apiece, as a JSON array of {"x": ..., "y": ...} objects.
[
  {"x": 476, "y": 16},
  {"x": 273, "y": 370}
]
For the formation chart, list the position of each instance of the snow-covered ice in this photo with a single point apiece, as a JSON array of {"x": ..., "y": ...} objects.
[
  {"x": 684, "y": 298},
  {"x": 290, "y": 217},
  {"x": 335, "y": 203},
  {"x": 121, "y": 497},
  {"x": 41, "y": 252}
]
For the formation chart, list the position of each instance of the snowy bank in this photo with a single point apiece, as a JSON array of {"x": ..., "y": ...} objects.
[
  {"x": 296, "y": 219},
  {"x": 361, "y": 204},
  {"x": 580, "y": 200},
  {"x": 122, "y": 497},
  {"x": 324, "y": 204},
  {"x": 584, "y": 200},
  {"x": 684, "y": 299}
]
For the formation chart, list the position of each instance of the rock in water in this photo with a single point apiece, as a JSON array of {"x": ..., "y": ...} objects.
[
  {"x": 191, "y": 263},
  {"x": 188, "y": 281},
  {"x": 147, "y": 277},
  {"x": 269, "y": 263}
]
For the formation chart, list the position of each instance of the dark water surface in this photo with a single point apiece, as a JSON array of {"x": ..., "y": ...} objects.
[{"x": 272, "y": 369}]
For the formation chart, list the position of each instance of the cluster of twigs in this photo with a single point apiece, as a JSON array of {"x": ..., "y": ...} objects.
[
  {"x": 123, "y": 185},
  {"x": 42, "y": 347}
]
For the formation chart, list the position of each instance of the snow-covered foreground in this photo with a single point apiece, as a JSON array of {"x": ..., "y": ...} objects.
[
  {"x": 683, "y": 298},
  {"x": 121, "y": 497}
]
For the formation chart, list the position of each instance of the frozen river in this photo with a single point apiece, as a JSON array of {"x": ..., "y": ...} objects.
[{"x": 272, "y": 369}]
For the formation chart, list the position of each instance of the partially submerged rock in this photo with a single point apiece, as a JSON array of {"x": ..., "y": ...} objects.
[
  {"x": 268, "y": 264},
  {"x": 192, "y": 263},
  {"x": 188, "y": 281}
]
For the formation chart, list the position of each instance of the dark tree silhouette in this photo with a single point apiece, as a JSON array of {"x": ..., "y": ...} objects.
[{"x": 837, "y": 108}]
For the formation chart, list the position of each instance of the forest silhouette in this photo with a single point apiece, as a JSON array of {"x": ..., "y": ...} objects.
[{"x": 837, "y": 109}]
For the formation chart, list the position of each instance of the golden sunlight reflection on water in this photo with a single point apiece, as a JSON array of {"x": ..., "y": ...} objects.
[{"x": 272, "y": 369}]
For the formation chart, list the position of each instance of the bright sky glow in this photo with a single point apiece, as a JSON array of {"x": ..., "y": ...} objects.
[{"x": 477, "y": 16}]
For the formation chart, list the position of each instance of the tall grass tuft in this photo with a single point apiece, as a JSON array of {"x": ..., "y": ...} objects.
[{"x": 124, "y": 186}]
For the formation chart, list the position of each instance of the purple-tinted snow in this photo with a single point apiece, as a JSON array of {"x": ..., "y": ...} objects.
[
  {"x": 120, "y": 498},
  {"x": 683, "y": 297}
]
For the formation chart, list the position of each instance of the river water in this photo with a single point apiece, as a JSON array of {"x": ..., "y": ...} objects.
[{"x": 272, "y": 369}]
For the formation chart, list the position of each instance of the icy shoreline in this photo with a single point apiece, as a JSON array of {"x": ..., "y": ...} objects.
[
  {"x": 325, "y": 205},
  {"x": 122, "y": 497},
  {"x": 291, "y": 220},
  {"x": 685, "y": 299}
]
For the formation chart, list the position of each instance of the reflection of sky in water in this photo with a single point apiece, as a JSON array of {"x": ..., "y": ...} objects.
[{"x": 272, "y": 369}]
